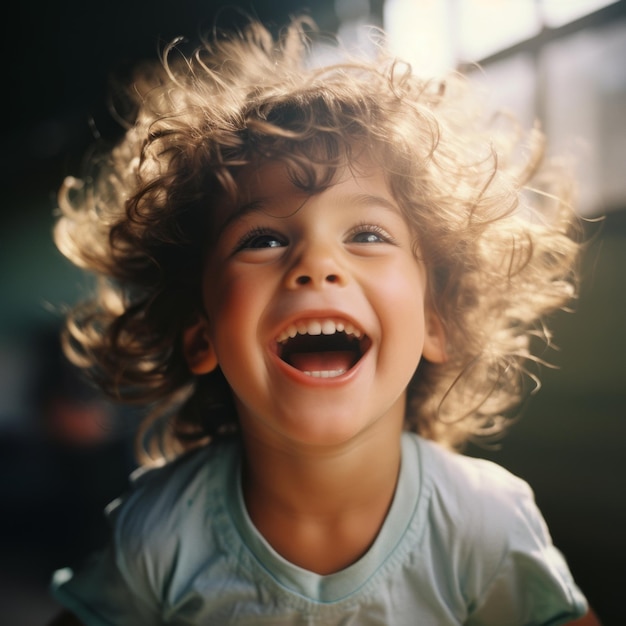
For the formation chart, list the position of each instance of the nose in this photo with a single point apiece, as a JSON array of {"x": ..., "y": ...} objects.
[{"x": 315, "y": 265}]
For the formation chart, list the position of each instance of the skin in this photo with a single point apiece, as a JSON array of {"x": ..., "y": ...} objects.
[{"x": 282, "y": 259}]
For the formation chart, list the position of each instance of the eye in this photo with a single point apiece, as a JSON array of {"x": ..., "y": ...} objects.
[
  {"x": 369, "y": 233},
  {"x": 259, "y": 239}
]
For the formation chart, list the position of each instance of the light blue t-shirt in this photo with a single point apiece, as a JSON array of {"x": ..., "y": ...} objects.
[{"x": 463, "y": 543}]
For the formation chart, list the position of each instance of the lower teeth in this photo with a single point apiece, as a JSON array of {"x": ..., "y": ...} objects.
[{"x": 325, "y": 373}]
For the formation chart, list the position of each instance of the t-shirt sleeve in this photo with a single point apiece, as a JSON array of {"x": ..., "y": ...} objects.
[
  {"x": 146, "y": 566},
  {"x": 531, "y": 580},
  {"x": 113, "y": 585},
  {"x": 101, "y": 593}
]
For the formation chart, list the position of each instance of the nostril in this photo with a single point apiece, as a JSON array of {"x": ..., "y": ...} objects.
[
  {"x": 303, "y": 280},
  {"x": 332, "y": 278}
]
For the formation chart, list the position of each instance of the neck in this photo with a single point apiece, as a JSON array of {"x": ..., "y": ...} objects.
[{"x": 322, "y": 508}]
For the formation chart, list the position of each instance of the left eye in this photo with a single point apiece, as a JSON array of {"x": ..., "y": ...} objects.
[
  {"x": 369, "y": 234},
  {"x": 367, "y": 237}
]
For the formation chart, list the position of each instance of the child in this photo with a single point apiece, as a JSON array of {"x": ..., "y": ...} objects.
[{"x": 298, "y": 266}]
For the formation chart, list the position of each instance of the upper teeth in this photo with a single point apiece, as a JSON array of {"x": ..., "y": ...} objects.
[{"x": 318, "y": 327}]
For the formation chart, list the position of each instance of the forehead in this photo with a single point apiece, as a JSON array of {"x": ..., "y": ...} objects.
[
  {"x": 277, "y": 184},
  {"x": 273, "y": 179}
]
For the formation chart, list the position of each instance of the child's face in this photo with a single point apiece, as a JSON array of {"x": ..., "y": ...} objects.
[{"x": 316, "y": 309}]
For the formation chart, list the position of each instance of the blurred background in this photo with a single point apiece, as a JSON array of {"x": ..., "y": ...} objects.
[{"x": 65, "y": 452}]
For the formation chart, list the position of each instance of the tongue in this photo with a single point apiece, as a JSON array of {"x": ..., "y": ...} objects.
[{"x": 322, "y": 361}]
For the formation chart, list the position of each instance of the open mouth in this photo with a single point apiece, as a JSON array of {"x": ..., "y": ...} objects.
[{"x": 322, "y": 348}]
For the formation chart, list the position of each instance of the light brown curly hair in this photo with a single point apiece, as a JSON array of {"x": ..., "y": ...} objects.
[{"x": 493, "y": 223}]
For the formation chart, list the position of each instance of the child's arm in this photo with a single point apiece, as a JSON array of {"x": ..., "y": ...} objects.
[{"x": 65, "y": 618}]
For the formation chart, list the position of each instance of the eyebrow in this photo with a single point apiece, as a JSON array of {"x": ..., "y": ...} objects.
[
  {"x": 368, "y": 199},
  {"x": 254, "y": 206},
  {"x": 259, "y": 205}
]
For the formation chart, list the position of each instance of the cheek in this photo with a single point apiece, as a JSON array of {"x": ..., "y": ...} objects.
[
  {"x": 400, "y": 304},
  {"x": 229, "y": 300},
  {"x": 401, "y": 284},
  {"x": 237, "y": 301}
]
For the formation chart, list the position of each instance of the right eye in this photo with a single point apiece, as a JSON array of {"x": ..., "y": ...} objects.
[{"x": 259, "y": 239}]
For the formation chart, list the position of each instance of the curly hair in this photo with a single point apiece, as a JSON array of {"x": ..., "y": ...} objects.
[{"x": 492, "y": 221}]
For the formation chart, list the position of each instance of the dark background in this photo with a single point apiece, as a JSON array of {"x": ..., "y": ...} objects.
[{"x": 65, "y": 453}]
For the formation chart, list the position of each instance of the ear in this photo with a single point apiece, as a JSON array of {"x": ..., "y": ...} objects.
[
  {"x": 435, "y": 339},
  {"x": 197, "y": 347}
]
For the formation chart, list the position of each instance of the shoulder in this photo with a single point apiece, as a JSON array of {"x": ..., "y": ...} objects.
[
  {"x": 483, "y": 522},
  {"x": 507, "y": 560},
  {"x": 169, "y": 504},
  {"x": 477, "y": 508},
  {"x": 167, "y": 528},
  {"x": 469, "y": 479}
]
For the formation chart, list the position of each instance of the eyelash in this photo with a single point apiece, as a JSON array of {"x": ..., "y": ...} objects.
[
  {"x": 250, "y": 235},
  {"x": 373, "y": 229}
]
